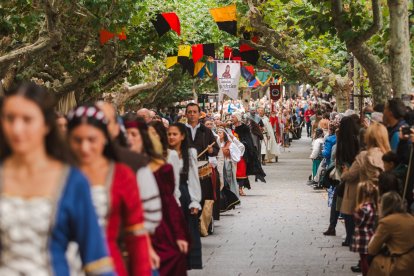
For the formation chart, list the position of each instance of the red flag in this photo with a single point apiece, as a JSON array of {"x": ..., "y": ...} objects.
[
  {"x": 173, "y": 21},
  {"x": 105, "y": 36},
  {"x": 244, "y": 48},
  {"x": 197, "y": 52},
  {"x": 122, "y": 36},
  {"x": 227, "y": 51}
]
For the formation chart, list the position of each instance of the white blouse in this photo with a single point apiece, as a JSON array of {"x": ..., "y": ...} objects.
[
  {"x": 25, "y": 225},
  {"x": 194, "y": 186}
]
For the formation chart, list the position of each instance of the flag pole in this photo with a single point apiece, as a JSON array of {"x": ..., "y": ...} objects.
[{"x": 221, "y": 111}]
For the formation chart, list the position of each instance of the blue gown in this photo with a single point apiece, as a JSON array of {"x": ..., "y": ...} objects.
[{"x": 70, "y": 216}]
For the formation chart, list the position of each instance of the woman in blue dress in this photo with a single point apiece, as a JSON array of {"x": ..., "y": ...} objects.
[{"x": 44, "y": 203}]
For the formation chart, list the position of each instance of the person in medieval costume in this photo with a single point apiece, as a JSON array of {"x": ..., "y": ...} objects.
[
  {"x": 269, "y": 148},
  {"x": 249, "y": 164},
  {"x": 231, "y": 151},
  {"x": 202, "y": 139}
]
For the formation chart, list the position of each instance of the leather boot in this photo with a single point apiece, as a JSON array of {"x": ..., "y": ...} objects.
[{"x": 330, "y": 232}]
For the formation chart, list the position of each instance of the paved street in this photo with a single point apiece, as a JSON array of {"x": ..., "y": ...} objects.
[{"x": 278, "y": 229}]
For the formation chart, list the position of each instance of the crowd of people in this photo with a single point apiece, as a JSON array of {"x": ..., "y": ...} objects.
[
  {"x": 94, "y": 192},
  {"x": 365, "y": 161}
]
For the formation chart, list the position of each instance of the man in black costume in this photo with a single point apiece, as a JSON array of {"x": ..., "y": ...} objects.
[
  {"x": 250, "y": 163},
  {"x": 202, "y": 138}
]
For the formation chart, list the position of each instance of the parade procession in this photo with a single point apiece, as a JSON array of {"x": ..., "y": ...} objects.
[{"x": 206, "y": 137}]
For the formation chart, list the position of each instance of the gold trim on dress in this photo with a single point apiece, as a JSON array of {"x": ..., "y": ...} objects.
[
  {"x": 98, "y": 265},
  {"x": 136, "y": 229}
]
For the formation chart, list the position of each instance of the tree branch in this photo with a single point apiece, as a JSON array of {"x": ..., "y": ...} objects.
[
  {"x": 376, "y": 24},
  {"x": 52, "y": 38}
]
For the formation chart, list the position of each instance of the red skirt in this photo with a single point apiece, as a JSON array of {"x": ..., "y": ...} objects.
[{"x": 241, "y": 171}]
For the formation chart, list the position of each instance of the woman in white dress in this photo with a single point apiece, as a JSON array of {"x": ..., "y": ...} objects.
[
  {"x": 189, "y": 190},
  {"x": 231, "y": 151}
]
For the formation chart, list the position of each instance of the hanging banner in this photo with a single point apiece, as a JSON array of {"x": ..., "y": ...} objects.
[
  {"x": 228, "y": 76},
  {"x": 275, "y": 91}
]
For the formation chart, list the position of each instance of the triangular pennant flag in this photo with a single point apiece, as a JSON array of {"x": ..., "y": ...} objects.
[
  {"x": 247, "y": 73},
  {"x": 211, "y": 68},
  {"x": 226, "y": 18},
  {"x": 105, "y": 36},
  {"x": 167, "y": 21},
  {"x": 254, "y": 83},
  {"x": 202, "y": 72},
  {"x": 263, "y": 77},
  {"x": 197, "y": 52},
  {"x": 173, "y": 21},
  {"x": 249, "y": 54},
  {"x": 171, "y": 61},
  {"x": 197, "y": 67}
]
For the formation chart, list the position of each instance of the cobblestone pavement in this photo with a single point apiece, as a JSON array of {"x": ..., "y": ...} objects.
[{"x": 278, "y": 228}]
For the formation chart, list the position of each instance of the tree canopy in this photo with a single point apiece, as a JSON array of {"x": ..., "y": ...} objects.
[{"x": 57, "y": 43}]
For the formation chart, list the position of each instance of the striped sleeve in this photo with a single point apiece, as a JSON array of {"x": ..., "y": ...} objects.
[{"x": 150, "y": 197}]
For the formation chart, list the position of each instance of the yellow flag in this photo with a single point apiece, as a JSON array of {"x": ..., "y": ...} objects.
[
  {"x": 171, "y": 61},
  {"x": 184, "y": 50}
]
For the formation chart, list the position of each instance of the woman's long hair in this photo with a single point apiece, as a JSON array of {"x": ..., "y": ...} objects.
[
  {"x": 185, "y": 147},
  {"x": 54, "y": 144},
  {"x": 347, "y": 143},
  {"x": 93, "y": 116},
  {"x": 162, "y": 133},
  {"x": 377, "y": 136}
]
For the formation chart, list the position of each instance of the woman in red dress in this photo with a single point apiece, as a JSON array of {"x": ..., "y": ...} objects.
[
  {"x": 170, "y": 240},
  {"x": 114, "y": 190}
]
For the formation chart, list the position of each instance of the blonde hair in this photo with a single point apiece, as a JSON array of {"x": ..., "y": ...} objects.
[
  {"x": 367, "y": 192},
  {"x": 377, "y": 136}
]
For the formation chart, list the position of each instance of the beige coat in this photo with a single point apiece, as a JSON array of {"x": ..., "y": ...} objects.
[
  {"x": 367, "y": 166},
  {"x": 396, "y": 231}
]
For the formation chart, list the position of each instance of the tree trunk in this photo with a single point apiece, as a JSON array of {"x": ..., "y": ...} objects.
[
  {"x": 400, "y": 55},
  {"x": 341, "y": 89},
  {"x": 195, "y": 96},
  {"x": 378, "y": 74}
]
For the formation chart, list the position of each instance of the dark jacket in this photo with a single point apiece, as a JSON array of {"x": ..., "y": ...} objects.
[
  {"x": 250, "y": 153},
  {"x": 203, "y": 138}
]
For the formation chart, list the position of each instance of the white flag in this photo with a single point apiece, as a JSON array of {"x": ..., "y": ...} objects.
[{"x": 228, "y": 76}]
